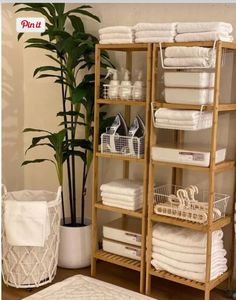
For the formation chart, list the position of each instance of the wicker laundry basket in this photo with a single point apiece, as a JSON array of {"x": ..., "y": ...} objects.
[{"x": 28, "y": 267}]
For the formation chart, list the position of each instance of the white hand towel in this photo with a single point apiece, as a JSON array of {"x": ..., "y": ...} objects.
[
  {"x": 115, "y": 29},
  {"x": 188, "y": 62},
  {"x": 121, "y": 197},
  {"x": 155, "y": 26},
  {"x": 184, "y": 127},
  {"x": 183, "y": 122},
  {"x": 123, "y": 186},
  {"x": 188, "y": 52},
  {"x": 155, "y": 33},
  {"x": 204, "y": 27},
  {"x": 116, "y": 41},
  {"x": 26, "y": 222},
  {"x": 154, "y": 39},
  {"x": 134, "y": 206},
  {"x": 175, "y": 114},
  {"x": 108, "y": 36},
  {"x": 216, "y": 246},
  {"x": 183, "y": 236},
  {"x": 203, "y": 36}
]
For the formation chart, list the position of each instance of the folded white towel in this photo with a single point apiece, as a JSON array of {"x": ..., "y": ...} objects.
[
  {"x": 194, "y": 122},
  {"x": 200, "y": 126},
  {"x": 176, "y": 114},
  {"x": 155, "y": 33},
  {"x": 188, "y": 62},
  {"x": 123, "y": 186},
  {"x": 203, "y": 36},
  {"x": 204, "y": 26},
  {"x": 133, "y": 206},
  {"x": 156, "y": 39},
  {"x": 26, "y": 222},
  {"x": 125, "y": 198},
  {"x": 180, "y": 248},
  {"x": 108, "y": 36},
  {"x": 116, "y": 41},
  {"x": 187, "y": 274},
  {"x": 115, "y": 29},
  {"x": 183, "y": 236},
  {"x": 155, "y": 26},
  {"x": 188, "y": 52}
]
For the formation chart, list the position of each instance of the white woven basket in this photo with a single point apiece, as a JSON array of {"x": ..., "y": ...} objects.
[{"x": 28, "y": 267}]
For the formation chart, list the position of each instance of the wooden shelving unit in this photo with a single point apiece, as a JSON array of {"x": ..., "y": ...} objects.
[
  {"x": 99, "y": 254},
  {"x": 177, "y": 170}
]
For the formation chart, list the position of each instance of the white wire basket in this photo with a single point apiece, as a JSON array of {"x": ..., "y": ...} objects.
[
  {"x": 130, "y": 93},
  {"x": 29, "y": 267},
  {"x": 167, "y": 203},
  {"x": 202, "y": 123},
  {"x": 123, "y": 145}
]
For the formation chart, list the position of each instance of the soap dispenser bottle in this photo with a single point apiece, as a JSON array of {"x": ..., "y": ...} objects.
[
  {"x": 125, "y": 87},
  {"x": 113, "y": 87},
  {"x": 137, "y": 91}
]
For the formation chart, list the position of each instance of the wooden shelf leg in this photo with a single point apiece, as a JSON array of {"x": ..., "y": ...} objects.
[{"x": 207, "y": 293}]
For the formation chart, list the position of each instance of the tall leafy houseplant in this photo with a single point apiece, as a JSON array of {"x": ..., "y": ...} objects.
[{"x": 71, "y": 52}]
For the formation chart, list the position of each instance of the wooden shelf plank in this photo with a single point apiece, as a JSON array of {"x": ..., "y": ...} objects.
[
  {"x": 187, "y": 44},
  {"x": 225, "y": 165},
  {"x": 222, "y": 107},
  {"x": 118, "y": 260},
  {"x": 228, "y": 45},
  {"x": 227, "y": 107},
  {"x": 124, "y": 47},
  {"x": 120, "y": 157},
  {"x": 219, "y": 280},
  {"x": 191, "y": 225},
  {"x": 136, "y": 214},
  {"x": 121, "y": 102}
]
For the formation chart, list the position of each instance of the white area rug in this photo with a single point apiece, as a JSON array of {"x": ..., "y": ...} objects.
[{"x": 80, "y": 287}]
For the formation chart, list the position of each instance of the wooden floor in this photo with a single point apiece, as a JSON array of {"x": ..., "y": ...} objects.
[{"x": 161, "y": 289}]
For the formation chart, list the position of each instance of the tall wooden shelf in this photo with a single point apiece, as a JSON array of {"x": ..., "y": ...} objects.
[
  {"x": 99, "y": 254},
  {"x": 177, "y": 170}
]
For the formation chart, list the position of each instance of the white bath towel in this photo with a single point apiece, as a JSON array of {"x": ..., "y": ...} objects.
[
  {"x": 155, "y": 33},
  {"x": 204, "y": 27},
  {"x": 116, "y": 41},
  {"x": 188, "y": 62},
  {"x": 188, "y": 52},
  {"x": 115, "y": 29},
  {"x": 187, "y": 274},
  {"x": 192, "y": 250},
  {"x": 183, "y": 236},
  {"x": 156, "y": 39},
  {"x": 123, "y": 186},
  {"x": 155, "y": 26},
  {"x": 108, "y": 36},
  {"x": 194, "y": 122},
  {"x": 184, "y": 127},
  {"x": 133, "y": 206},
  {"x": 121, "y": 197},
  {"x": 175, "y": 114},
  {"x": 26, "y": 223},
  {"x": 203, "y": 36}
]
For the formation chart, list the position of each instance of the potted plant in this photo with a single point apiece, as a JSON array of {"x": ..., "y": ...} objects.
[{"x": 71, "y": 53}]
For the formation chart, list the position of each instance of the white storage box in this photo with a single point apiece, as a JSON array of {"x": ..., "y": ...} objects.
[
  {"x": 189, "y": 155},
  {"x": 126, "y": 230},
  {"x": 189, "y": 79},
  {"x": 189, "y": 96},
  {"x": 126, "y": 250}
]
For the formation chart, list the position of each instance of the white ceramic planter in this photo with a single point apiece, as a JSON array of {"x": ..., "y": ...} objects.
[{"x": 75, "y": 246}]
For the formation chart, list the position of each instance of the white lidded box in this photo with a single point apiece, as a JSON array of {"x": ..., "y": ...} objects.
[
  {"x": 189, "y": 155},
  {"x": 189, "y": 79},
  {"x": 126, "y": 230},
  {"x": 126, "y": 250}
]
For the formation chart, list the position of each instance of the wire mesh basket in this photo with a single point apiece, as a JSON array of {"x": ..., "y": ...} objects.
[
  {"x": 123, "y": 145},
  {"x": 129, "y": 93},
  {"x": 168, "y": 202},
  {"x": 203, "y": 121}
]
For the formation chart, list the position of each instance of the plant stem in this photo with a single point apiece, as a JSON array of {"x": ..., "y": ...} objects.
[
  {"x": 83, "y": 192},
  {"x": 73, "y": 168}
]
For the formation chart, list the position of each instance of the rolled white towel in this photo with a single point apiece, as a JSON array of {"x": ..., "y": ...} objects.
[
  {"x": 204, "y": 27},
  {"x": 115, "y": 29},
  {"x": 116, "y": 41},
  {"x": 156, "y": 39},
  {"x": 203, "y": 36},
  {"x": 108, "y": 36},
  {"x": 155, "y": 26},
  {"x": 177, "y": 114},
  {"x": 188, "y": 52},
  {"x": 188, "y": 62},
  {"x": 155, "y": 33},
  {"x": 123, "y": 186},
  {"x": 122, "y": 197}
]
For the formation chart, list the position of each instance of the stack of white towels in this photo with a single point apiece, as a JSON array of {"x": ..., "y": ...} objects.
[
  {"x": 154, "y": 32},
  {"x": 204, "y": 31},
  {"x": 182, "y": 119},
  {"x": 116, "y": 35},
  {"x": 182, "y": 252},
  {"x": 123, "y": 193}
]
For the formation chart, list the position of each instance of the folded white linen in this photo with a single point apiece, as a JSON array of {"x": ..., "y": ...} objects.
[
  {"x": 156, "y": 39},
  {"x": 218, "y": 245},
  {"x": 183, "y": 236},
  {"x": 122, "y": 197},
  {"x": 123, "y": 186},
  {"x": 26, "y": 222},
  {"x": 184, "y": 122},
  {"x": 203, "y": 36},
  {"x": 188, "y": 52},
  {"x": 204, "y": 26},
  {"x": 176, "y": 114},
  {"x": 155, "y": 33},
  {"x": 115, "y": 29},
  {"x": 113, "y": 203},
  {"x": 188, "y": 257},
  {"x": 108, "y": 36},
  {"x": 116, "y": 41},
  {"x": 188, "y": 62},
  {"x": 187, "y": 274},
  {"x": 184, "y": 127},
  {"x": 155, "y": 26}
]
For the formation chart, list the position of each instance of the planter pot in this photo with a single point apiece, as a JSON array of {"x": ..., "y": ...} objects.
[{"x": 75, "y": 246}]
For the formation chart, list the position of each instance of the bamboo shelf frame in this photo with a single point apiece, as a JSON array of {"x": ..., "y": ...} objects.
[
  {"x": 177, "y": 173},
  {"x": 99, "y": 254}
]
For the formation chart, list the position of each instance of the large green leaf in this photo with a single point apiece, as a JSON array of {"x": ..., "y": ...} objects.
[
  {"x": 83, "y": 12},
  {"x": 46, "y": 68},
  {"x": 36, "y": 161},
  {"x": 83, "y": 143},
  {"x": 36, "y": 130},
  {"x": 77, "y": 23},
  {"x": 39, "y": 10},
  {"x": 59, "y": 8},
  {"x": 70, "y": 113},
  {"x": 38, "y": 145},
  {"x": 78, "y": 94}
]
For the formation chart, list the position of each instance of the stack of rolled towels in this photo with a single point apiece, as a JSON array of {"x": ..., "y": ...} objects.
[
  {"x": 182, "y": 119},
  {"x": 182, "y": 252},
  {"x": 116, "y": 35},
  {"x": 204, "y": 31},
  {"x": 154, "y": 32},
  {"x": 123, "y": 193}
]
